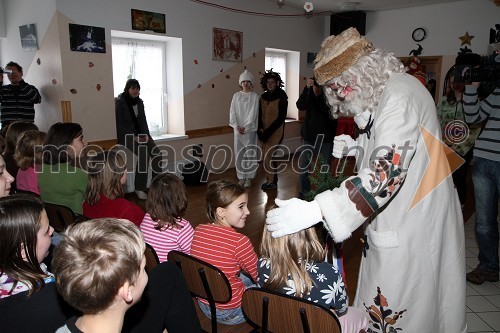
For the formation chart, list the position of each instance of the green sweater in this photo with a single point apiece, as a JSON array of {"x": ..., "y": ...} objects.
[{"x": 63, "y": 184}]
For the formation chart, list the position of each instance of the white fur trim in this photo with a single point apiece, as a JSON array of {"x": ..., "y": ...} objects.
[
  {"x": 383, "y": 239},
  {"x": 340, "y": 215}
]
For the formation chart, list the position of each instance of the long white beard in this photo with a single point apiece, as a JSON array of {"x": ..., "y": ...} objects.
[{"x": 353, "y": 104}]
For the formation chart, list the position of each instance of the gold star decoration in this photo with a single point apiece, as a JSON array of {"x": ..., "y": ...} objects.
[{"x": 466, "y": 39}]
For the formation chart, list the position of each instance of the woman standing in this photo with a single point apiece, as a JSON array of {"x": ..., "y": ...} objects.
[
  {"x": 243, "y": 118},
  {"x": 133, "y": 132}
]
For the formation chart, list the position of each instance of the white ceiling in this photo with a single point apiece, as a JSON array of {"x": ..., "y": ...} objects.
[{"x": 364, "y": 5}]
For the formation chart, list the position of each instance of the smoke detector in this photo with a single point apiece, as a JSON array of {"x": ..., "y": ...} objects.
[{"x": 348, "y": 6}]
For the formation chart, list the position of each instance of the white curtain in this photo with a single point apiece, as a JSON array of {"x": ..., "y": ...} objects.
[
  {"x": 277, "y": 61},
  {"x": 142, "y": 61}
]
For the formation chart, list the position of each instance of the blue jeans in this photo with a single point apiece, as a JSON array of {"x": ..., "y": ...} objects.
[
  {"x": 486, "y": 179},
  {"x": 310, "y": 149},
  {"x": 229, "y": 316}
]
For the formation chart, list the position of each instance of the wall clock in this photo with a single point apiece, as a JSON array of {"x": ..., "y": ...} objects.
[{"x": 418, "y": 34}]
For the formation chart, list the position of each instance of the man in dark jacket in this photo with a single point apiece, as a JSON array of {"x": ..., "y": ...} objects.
[
  {"x": 18, "y": 97},
  {"x": 318, "y": 131}
]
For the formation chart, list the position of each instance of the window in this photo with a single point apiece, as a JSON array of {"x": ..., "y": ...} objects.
[
  {"x": 287, "y": 63},
  {"x": 145, "y": 61},
  {"x": 277, "y": 61}
]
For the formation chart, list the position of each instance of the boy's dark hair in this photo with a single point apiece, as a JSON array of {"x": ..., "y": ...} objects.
[
  {"x": 15, "y": 64},
  {"x": 167, "y": 201}
]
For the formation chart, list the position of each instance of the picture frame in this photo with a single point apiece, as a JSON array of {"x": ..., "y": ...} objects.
[
  {"x": 227, "y": 45},
  {"x": 29, "y": 41},
  {"x": 310, "y": 59},
  {"x": 86, "y": 38},
  {"x": 143, "y": 20}
]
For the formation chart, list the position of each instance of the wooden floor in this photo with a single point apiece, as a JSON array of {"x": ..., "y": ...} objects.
[{"x": 260, "y": 202}]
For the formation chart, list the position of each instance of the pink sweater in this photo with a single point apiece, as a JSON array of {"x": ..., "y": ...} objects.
[{"x": 164, "y": 241}]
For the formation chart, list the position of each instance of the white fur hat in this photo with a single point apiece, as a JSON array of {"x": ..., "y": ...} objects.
[
  {"x": 246, "y": 76},
  {"x": 338, "y": 53}
]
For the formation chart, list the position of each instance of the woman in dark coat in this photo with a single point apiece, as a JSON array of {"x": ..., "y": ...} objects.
[{"x": 132, "y": 132}]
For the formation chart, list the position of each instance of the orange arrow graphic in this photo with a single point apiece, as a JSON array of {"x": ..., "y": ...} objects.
[{"x": 443, "y": 161}]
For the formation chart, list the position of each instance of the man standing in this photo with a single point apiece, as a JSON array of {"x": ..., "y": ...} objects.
[
  {"x": 17, "y": 99},
  {"x": 317, "y": 131},
  {"x": 485, "y": 176},
  {"x": 272, "y": 115},
  {"x": 413, "y": 264}
]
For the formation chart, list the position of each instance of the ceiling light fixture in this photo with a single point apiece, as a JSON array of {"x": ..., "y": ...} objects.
[{"x": 348, "y": 6}]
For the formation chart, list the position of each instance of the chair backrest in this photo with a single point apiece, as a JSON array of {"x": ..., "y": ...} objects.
[
  {"x": 151, "y": 258},
  {"x": 60, "y": 217},
  {"x": 276, "y": 312},
  {"x": 202, "y": 279},
  {"x": 18, "y": 191}
]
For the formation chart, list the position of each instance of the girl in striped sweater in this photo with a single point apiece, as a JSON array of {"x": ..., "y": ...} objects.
[
  {"x": 219, "y": 244},
  {"x": 163, "y": 225}
]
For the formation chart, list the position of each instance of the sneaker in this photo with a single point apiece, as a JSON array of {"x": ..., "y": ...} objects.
[
  {"x": 248, "y": 183},
  {"x": 269, "y": 186},
  {"x": 241, "y": 182},
  {"x": 479, "y": 275},
  {"x": 141, "y": 195}
]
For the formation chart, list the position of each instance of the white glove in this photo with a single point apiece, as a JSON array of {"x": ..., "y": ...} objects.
[
  {"x": 354, "y": 320},
  {"x": 341, "y": 144},
  {"x": 292, "y": 216},
  {"x": 361, "y": 119}
]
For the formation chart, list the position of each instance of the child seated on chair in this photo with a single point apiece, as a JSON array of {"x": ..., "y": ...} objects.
[
  {"x": 100, "y": 270},
  {"x": 28, "y": 294},
  {"x": 61, "y": 179},
  {"x": 28, "y": 157},
  {"x": 104, "y": 196},
  {"x": 163, "y": 226},
  {"x": 220, "y": 245},
  {"x": 28, "y": 298},
  {"x": 295, "y": 265}
]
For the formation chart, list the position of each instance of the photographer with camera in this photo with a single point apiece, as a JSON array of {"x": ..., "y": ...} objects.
[
  {"x": 317, "y": 131},
  {"x": 18, "y": 98},
  {"x": 485, "y": 172}
]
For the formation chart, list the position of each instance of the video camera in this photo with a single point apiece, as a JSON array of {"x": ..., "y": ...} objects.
[
  {"x": 5, "y": 71},
  {"x": 488, "y": 70}
]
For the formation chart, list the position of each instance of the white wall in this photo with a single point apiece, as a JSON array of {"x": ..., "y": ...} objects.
[
  {"x": 184, "y": 19},
  {"x": 2, "y": 21},
  {"x": 444, "y": 23},
  {"x": 21, "y": 12}
]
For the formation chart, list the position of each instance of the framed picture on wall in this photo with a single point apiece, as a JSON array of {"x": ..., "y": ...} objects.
[
  {"x": 227, "y": 45},
  {"x": 85, "y": 38},
  {"x": 310, "y": 59},
  {"x": 143, "y": 20},
  {"x": 28, "y": 37}
]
